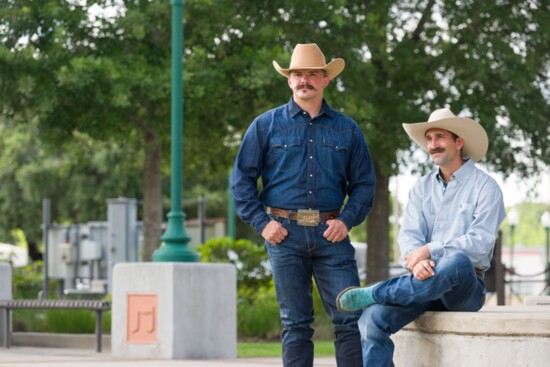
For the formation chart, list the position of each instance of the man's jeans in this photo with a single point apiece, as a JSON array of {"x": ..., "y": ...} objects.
[
  {"x": 305, "y": 253},
  {"x": 454, "y": 287}
]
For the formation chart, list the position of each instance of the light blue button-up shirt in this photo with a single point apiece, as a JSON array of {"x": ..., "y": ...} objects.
[{"x": 464, "y": 217}]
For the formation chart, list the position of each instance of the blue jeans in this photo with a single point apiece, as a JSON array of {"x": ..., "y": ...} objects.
[
  {"x": 454, "y": 287},
  {"x": 304, "y": 254}
]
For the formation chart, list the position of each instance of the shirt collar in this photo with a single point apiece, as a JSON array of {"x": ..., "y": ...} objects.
[
  {"x": 294, "y": 109},
  {"x": 465, "y": 172},
  {"x": 462, "y": 174}
]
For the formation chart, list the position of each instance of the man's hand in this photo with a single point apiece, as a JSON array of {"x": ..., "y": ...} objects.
[
  {"x": 274, "y": 232},
  {"x": 421, "y": 253},
  {"x": 336, "y": 230},
  {"x": 424, "y": 269}
]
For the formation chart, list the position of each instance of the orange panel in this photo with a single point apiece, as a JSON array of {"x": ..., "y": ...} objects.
[{"x": 142, "y": 318}]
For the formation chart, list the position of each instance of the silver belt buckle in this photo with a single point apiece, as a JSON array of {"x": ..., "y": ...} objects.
[{"x": 308, "y": 217}]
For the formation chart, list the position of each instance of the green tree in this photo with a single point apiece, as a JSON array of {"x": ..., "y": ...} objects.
[
  {"x": 485, "y": 60},
  {"x": 529, "y": 230},
  {"x": 78, "y": 176},
  {"x": 108, "y": 76},
  {"x": 79, "y": 71}
]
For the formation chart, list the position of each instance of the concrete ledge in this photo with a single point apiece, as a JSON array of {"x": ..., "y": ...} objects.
[
  {"x": 537, "y": 300},
  {"x": 494, "y": 321},
  {"x": 494, "y": 336},
  {"x": 59, "y": 340}
]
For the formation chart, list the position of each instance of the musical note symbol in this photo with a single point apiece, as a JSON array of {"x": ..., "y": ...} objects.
[{"x": 144, "y": 314}]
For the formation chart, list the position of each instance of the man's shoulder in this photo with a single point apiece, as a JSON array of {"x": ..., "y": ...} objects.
[
  {"x": 482, "y": 178},
  {"x": 342, "y": 118},
  {"x": 268, "y": 116}
]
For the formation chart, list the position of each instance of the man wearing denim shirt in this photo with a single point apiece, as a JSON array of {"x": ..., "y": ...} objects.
[
  {"x": 310, "y": 157},
  {"x": 447, "y": 237}
]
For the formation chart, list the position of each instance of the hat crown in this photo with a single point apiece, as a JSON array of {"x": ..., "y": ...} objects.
[
  {"x": 441, "y": 114},
  {"x": 310, "y": 56},
  {"x": 307, "y": 55}
]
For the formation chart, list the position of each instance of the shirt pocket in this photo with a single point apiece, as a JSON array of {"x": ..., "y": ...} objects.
[
  {"x": 334, "y": 154},
  {"x": 285, "y": 154}
]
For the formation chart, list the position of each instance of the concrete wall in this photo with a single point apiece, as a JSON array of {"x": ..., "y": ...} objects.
[
  {"x": 5, "y": 293},
  {"x": 495, "y": 336}
]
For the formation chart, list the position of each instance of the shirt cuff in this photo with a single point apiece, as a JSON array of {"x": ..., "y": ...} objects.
[
  {"x": 260, "y": 223},
  {"x": 347, "y": 221},
  {"x": 436, "y": 250}
]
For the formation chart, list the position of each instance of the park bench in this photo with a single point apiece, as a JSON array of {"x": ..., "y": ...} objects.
[{"x": 93, "y": 305}]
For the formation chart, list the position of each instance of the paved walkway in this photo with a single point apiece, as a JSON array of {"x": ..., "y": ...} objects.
[{"x": 63, "y": 357}]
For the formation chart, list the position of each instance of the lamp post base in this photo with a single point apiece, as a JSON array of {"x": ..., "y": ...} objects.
[{"x": 175, "y": 253}]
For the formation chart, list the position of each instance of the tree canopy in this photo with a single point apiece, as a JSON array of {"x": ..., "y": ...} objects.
[{"x": 75, "y": 70}]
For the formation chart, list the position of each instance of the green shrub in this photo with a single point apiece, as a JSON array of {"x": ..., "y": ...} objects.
[
  {"x": 259, "y": 317},
  {"x": 27, "y": 281},
  {"x": 323, "y": 323},
  {"x": 257, "y": 309},
  {"x": 75, "y": 321},
  {"x": 250, "y": 260}
]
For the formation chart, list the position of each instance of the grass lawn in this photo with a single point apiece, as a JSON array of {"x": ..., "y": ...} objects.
[{"x": 273, "y": 349}]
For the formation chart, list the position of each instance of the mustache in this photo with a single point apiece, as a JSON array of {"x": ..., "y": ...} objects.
[
  {"x": 437, "y": 150},
  {"x": 305, "y": 85}
]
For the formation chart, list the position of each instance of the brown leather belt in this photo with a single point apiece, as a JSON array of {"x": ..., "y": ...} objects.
[
  {"x": 304, "y": 217},
  {"x": 480, "y": 272}
]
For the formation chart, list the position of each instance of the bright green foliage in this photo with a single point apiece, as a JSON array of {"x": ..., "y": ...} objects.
[
  {"x": 258, "y": 316},
  {"x": 109, "y": 77},
  {"x": 250, "y": 261},
  {"x": 78, "y": 176},
  {"x": 273, "y": 349},
  {"x": 257, "y": 309},
  {"x": 75, "y": 321},
  {"x": 529, "y": 231},
  {"x": 27, "y": 281}
]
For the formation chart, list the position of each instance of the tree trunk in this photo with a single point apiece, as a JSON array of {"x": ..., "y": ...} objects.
[
  {"x": 378, "y": 231},
  {"x": 32, "y": 249},
  {"x": 152, "y": 195}
]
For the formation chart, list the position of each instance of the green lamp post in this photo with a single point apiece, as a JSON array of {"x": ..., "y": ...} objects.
[{"x": 175, "y": 240}]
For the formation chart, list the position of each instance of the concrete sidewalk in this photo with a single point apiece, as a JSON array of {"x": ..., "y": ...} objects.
[{"x": 42, "y": 357}]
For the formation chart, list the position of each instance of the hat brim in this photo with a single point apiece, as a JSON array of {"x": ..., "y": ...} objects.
[
  {"x": 475, "y": 138},
  {"x": 333, "y": 68}
]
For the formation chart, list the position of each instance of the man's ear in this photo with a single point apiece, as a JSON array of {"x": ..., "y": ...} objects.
[{"x": 459, "y": 143}]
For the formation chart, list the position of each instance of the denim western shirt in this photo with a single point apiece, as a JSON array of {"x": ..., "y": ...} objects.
[
  {"x": 462, "y": 218},
  {"x": 304, "y": 163}
]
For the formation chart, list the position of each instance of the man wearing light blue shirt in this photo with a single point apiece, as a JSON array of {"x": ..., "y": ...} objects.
[{"x": 446, "y": 240}]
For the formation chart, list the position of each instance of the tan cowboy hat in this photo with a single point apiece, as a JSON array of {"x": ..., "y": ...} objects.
[
  {"x": 473, "y": 134},
  {"x": 310, "y": 56}
]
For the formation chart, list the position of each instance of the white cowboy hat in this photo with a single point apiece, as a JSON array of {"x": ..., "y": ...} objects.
[
  {"x": 473, "y": 134},
  {"x": 310, "y": 56}
]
